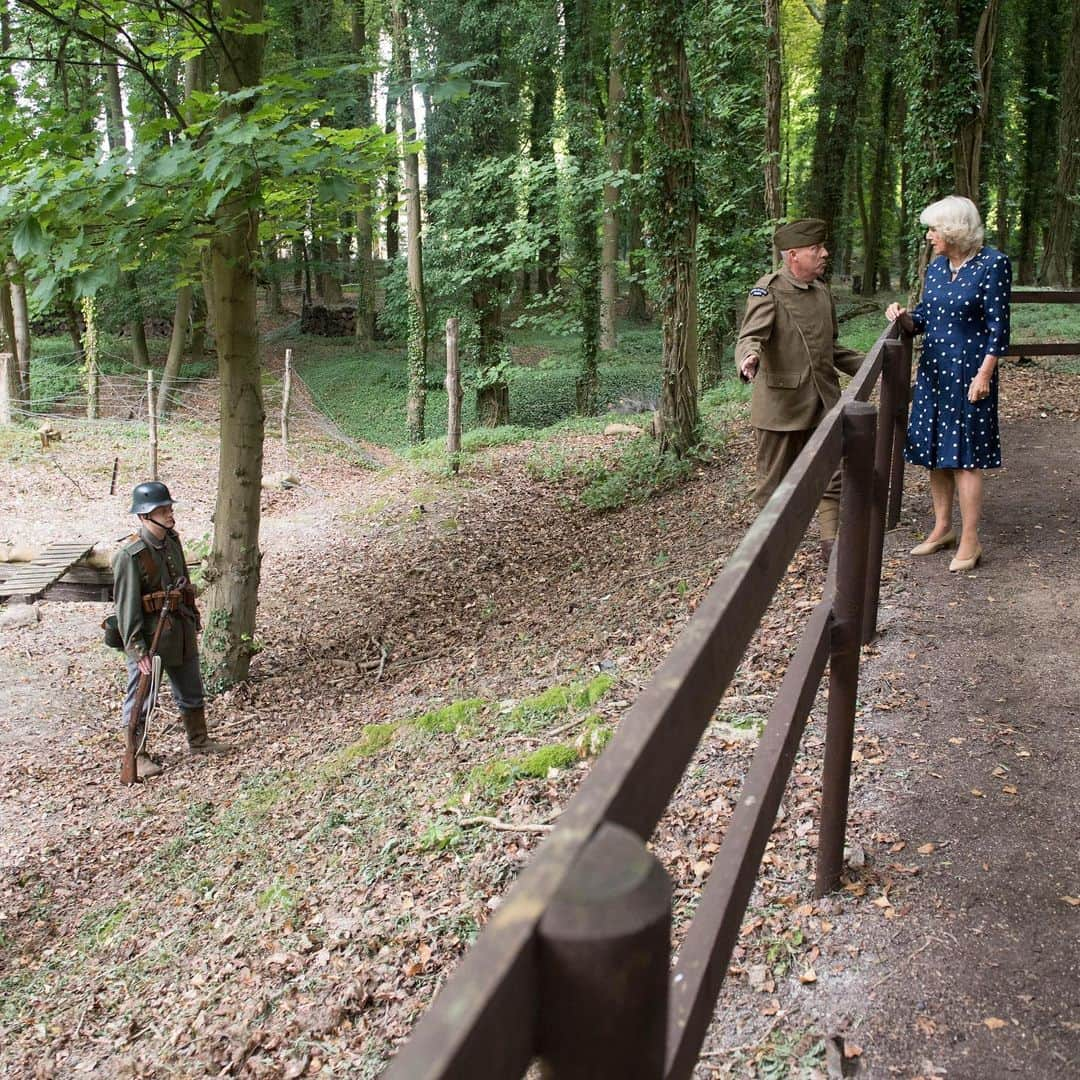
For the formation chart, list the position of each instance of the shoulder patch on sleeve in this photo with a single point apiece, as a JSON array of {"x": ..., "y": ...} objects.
[{"x": 759, "y": 291}]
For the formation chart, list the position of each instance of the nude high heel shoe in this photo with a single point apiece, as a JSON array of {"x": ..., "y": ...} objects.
[
  {"x": 958, "y": 566},
  {"x": 932, "y": 547}
]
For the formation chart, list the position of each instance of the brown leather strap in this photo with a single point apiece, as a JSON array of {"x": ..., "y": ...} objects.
[
  {"x": 149, "y": 567},
  {"x": 156, "y": 600}
]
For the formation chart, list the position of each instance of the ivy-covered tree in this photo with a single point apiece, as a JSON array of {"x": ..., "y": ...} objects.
[{"x": 671, "y": 203}]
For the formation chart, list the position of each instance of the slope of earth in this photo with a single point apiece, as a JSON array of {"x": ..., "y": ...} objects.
[{"x": 441, "y": 660}]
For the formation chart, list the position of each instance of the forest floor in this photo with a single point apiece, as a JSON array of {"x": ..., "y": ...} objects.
[{"x": 440, "y": 654}]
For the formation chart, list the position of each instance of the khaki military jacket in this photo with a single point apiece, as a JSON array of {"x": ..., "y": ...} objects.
[
  {"x": 791, "y": 327},
  {"x": 179, "y": 638}
]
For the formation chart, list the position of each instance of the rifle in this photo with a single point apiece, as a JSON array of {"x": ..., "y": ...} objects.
[{"x": 129, "y": 770}]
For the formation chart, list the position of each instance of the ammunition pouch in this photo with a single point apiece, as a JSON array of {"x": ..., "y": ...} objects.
[
  {"x": 112, "y": 632},
  {"x": 155, "y": 601}
]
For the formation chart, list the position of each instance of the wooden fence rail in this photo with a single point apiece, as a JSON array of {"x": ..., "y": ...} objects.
[{"x": 574, "y": 967}]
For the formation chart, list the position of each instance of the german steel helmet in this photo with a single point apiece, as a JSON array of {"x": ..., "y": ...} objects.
[{"x": 148, "y": 496}]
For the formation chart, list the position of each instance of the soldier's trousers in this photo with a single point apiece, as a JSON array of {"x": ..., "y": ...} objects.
[
  {"x": 776, "y": 453},
  {"x": 185, "y": 680}
]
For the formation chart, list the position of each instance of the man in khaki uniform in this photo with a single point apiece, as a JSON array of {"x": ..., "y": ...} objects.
[{"x": 788, "y": 347}]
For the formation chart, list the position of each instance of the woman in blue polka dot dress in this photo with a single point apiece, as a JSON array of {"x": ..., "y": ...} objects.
[{"x": 964, "y": 315}]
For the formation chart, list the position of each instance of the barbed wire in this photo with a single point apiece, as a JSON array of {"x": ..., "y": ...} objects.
[{"x": 122, "y": 398}]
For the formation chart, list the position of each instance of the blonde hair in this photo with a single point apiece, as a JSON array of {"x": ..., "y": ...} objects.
[{"x": 956, "y": 220}]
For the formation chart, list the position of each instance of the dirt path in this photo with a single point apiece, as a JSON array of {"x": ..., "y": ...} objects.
[{"x": 975, "y": 975}]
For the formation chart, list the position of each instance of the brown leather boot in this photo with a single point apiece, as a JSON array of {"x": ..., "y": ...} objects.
[
  {"x": 145, "y": 765},
  {"x": 197, "y": 739}
]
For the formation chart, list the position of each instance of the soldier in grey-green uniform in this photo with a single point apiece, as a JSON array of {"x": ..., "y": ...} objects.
[
  {"x": 788, "y": 347},
  {"x": 148, "y": 572}
]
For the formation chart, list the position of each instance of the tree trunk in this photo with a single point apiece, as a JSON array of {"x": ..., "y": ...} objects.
[
  {"x": 74, "y": 327},
  {"x": 675, "y": 215},
  {"x": 417, "y": 344},
  {"x": 493, "y": 391},
  {"x": 1041, "y": 55},
  {"x": 272, "y": 273},
  {"x": 181, "y": 317},
  {"x": 872, "y": 240},
  {"x": 7, "y": 322},
  {"x": 1059, "y": 238},
  {"x": 609, "y": 250},
  {"x": 114, "y": 125},
  {"x": 21, "y": 318},
  {"x": 841, "y": 62},
  {"x": 967, "y": 149},
  {"x": 774, "y": 87},
  {"x": 711, "y": 358},
  {"x": 637, "y": 304},
  {"x": 904, "y": 239},
  {"x": 579, "y": 79},
  {"x": 858, "y": 193},
  {"x": 330, "y": 273},
  {"x": 392, "y": 194},
  {"x": 197, "y": 345},
  {"x": 234, "y": 560},
  {"x": 543, "y": 208},
  {"x": 365, "y": 265}
]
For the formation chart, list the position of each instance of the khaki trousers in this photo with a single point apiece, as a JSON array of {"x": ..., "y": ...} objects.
[{"x": 776, "y": 453}]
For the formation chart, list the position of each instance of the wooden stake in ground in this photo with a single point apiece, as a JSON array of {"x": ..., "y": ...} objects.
[
  {"x": 453, "y": 396},
  {"x": 286, "y": 395},
  {"x": 151, "y": 413},
  {"x": 9, "y": 381}
]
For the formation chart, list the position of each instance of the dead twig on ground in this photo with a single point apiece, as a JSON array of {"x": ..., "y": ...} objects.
[{"x": 506, "y": 826}]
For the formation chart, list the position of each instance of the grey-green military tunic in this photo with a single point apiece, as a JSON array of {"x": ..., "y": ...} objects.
[
  {"x": 178, "y": 643},
  {"x": 791, "y": 327}
]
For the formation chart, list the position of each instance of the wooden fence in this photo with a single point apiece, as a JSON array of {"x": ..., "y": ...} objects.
[
  {"x": 574, "y": 968},
  {"x": 1045, "y": 348}
]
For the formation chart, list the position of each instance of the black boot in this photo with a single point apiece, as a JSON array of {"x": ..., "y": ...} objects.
[{"x": 197, "y": 739}]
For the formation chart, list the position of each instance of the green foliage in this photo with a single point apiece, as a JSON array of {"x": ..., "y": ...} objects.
[
  {"x": 493, "y": 777},
  {"x": 277, "y": 897},
  {"x": 375, "y": 737},
  {"x": 594, "y": 736},
  {"x": 586, "y": 696},
  {"x": 639, "y": 472},
  {"x": 366, "y": 393},
  {"x": 451, "y": 718}
]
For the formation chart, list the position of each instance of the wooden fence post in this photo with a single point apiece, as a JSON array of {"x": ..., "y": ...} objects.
[
  {"x": 604, "y": 954},
  {"x": 453, "y": 396},
  {"x": 7, "y": 368},
  {"x": 286, "y": 395},
  {"x": 860, "y": 421},
  {"x": 151, "y": 413},
  {"x": 891, "y": 364},
  {"x": 900, "y": 422}
]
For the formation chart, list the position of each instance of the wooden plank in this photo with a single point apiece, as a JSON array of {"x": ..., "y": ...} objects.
[
  {"x": 1043, "y": 348},
  {"x": 1045, "y": 296},
  {"x": 33, "y": 578}
]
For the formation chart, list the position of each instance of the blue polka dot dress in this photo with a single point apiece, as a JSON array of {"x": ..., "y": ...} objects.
[{"x": 964, "y": 321}]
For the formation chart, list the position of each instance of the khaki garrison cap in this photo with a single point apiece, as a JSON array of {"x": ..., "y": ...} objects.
[{"x": 803, "y": 233}]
